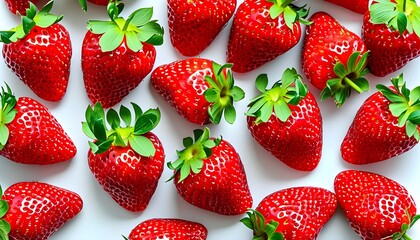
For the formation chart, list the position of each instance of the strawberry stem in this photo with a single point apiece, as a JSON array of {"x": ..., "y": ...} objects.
[{"x": 352, "y": 84}]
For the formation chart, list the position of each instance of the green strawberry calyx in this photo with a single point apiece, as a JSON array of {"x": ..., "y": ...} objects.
[
  {"x": 287, "y": 91},
  {"x": 8, "y": 113},
  {"x": 120, "y": 133},
  {"x": 195, "y": 151},
  {"x": 404, "y": 228},
  {"x": 262, "y": 230},
  {"x": 405, "y": 105},
  {"x": 4, "y": 225},
  {"x": 136, "y": 30},
  {"x": 290, "y": 12},
  {"x": 222, "y": 93},
  {"x": 401, "y": 15},
  {"x": 42, "y": 18},
  {"x": 348, "y": 77}
]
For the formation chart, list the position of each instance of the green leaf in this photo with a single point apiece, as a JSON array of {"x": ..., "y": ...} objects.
[
  {"x": 398, "y": 108},
  {"x": 215, "y": 112},
  {"x": 415, "y": 94},
  {"x": 237, "y": 93},
  {"x": 184, "y": 172},
  {"x": 290, "y": 17},
  {"x": 230, "y": 114},
  {"x": 289, "y": 77},
  {"x": 201, "y": 134},
  {"x": 137, "y": 111},
  {"x": 112, "y": 118},
  {"x": 27, "y": 24},
  {"x": 142, "y": 145},
  {"x": 401, "y": 22},
  {"x": 197, "y": 165},
  {"x": 111, "y": 39},
  {"x": 87, "y": 131},
  {"x": 247, "y": 222},
  {"x": 382, "y": 12},
  {"x": 188, "y": 141},
  {"x": 10, "y": 115},
  {"x": 362, "y": 84},
  {"x": 261, "y": 82},
  {"x": 414, "y": 117},
  {"x": 4, "y": 134},
  {"x": 156, "y": 113},
  {"x": 133, "y": 42},
  {"x": 83, "y": 4},
  {"x": 266, "y": 111},
  {"x": 340, "y": 70},
  {"x": 410, "y": 129},
  {"x": 141, "y": 16},
  {"x": 145, "y": 124},
  {"x": 100, "y": 147},
  {"x": 125, "y": 115},
  {"x": 414, "y": 220},
  {"x": 4, "y": 208},
  {"x": 5, "y": 226},
  {"x": 211, "y": 95},
  {"x": 100, "y": 27},
  {"x": 282, "y": 111},
  {"x": 275, "y": 11},
  {"x": 151, "y": 33}
]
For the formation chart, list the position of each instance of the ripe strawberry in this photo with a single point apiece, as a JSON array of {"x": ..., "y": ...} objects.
[
  {"x": 39, "y": 53},
  {"x": 391, "y": 31},
  {"x": 385, "y": 126},
  {"x": 29, "y": 134},
  {"x": 19, "y": 6},
  {"x": 126, "y": 160},
  {"x": 200, "y": 90},
  {"x": 375, "y": 206},
  {"x": 334, "y": 59},
  {"x": 286, "y": 121},
  {"x": 193, "y": 25},
  {"x": 359, "y": 6},
  {"x": 168, "y": 228},
  {"x": 209, "y": 174},
  {"x": 118, "y": 54},
  {"x": 263, "y": 30},
  {"x": 34, "y": 210},
  {"x": 293, "y": 213}
]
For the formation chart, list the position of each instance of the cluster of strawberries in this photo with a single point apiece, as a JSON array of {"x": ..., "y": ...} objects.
[{"x": 127, "y": 159}]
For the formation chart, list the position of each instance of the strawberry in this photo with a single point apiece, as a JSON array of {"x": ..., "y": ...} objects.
[
  {"x": 358, "y": 6},
  {"x": 209, "y": 174},
  {"x": 39, "y": 52},
  {"x": 126, "y": 160},
  {"x": 19, "y": 6},
  {"x": 193, "y": 25},
  {"x": 292, "y": 213},
  {"x": 263, "y": 30},
  {"x": 290, "y": 111},
  {"x": 30, "y": 134},
  {"x": 391, "y": 31},
  {"x": 35, "y": 210},
  {"x": 168, "y": 228},
  {"x": 333, "y": 58},
  {"x": 385, "y": 126},
  {"x": 375, "y": 206},
  {"x": 199, "y": 89},
  {"x": 118, "y": 54}
]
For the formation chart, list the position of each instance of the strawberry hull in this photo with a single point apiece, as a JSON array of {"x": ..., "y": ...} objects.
[
  {"x": 42, "y": 60},
  {"x": 111, "y": 76}
]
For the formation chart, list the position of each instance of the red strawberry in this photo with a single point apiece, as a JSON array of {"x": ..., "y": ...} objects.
[
  {"x": 168, "y": 228},
  {"x": 209, "y": 174},
  {"x": 126, "y": 160},
  {"x": 333, "y": 58},
  {"x": 118, "y": 54},
  {"x": 391, "y": 35},
  {"x": 287, "y": 122},
  {"x": 200, "y": 90},
  {"x": 359, "y": 6},
  {"x": 39, "y": 53},
  {"x": 263, "y": 30},
  {"x": 30, "y": 134},
  {"x": 193, "y": 25},
  {"x": 19, "y": 6},
  {"x": 375, "y": 206},
  {"x": 386, "y": 125},
  {"x": 293, "y": 213},
  {"x": 34, "y": 210}
]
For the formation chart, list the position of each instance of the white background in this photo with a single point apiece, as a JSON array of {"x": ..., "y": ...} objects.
[{"x": 102, "y": 218}]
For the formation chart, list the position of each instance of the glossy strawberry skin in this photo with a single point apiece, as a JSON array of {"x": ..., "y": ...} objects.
[
  {"x": 37, "y": 210},
  {"x": 99, "y": 2},
  {"x": 129, "y": 178},
  {"x": 300, "y": 211},
  {"x": 389, "y": 50},
  {"x": 19, "y": 6},
  {"x": 256, "y": 38},
  {"x": 42, "y": 60},
  {"x": 296, "y": 142},
  {"x": 375, "y": 206},
  {"x": 193, "y": 25},
  {"x": 326, "y": 43},
  {"x": 36, "y": 137},
  {"x": 182, "y": 85},
  {"x": 110, "y": 76},
  {"x": 374, "y": 134},
  {"x": 359, "y": 6},
  {"x": 221, "y": 186},
  {"x": 167, "y": 228}
]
